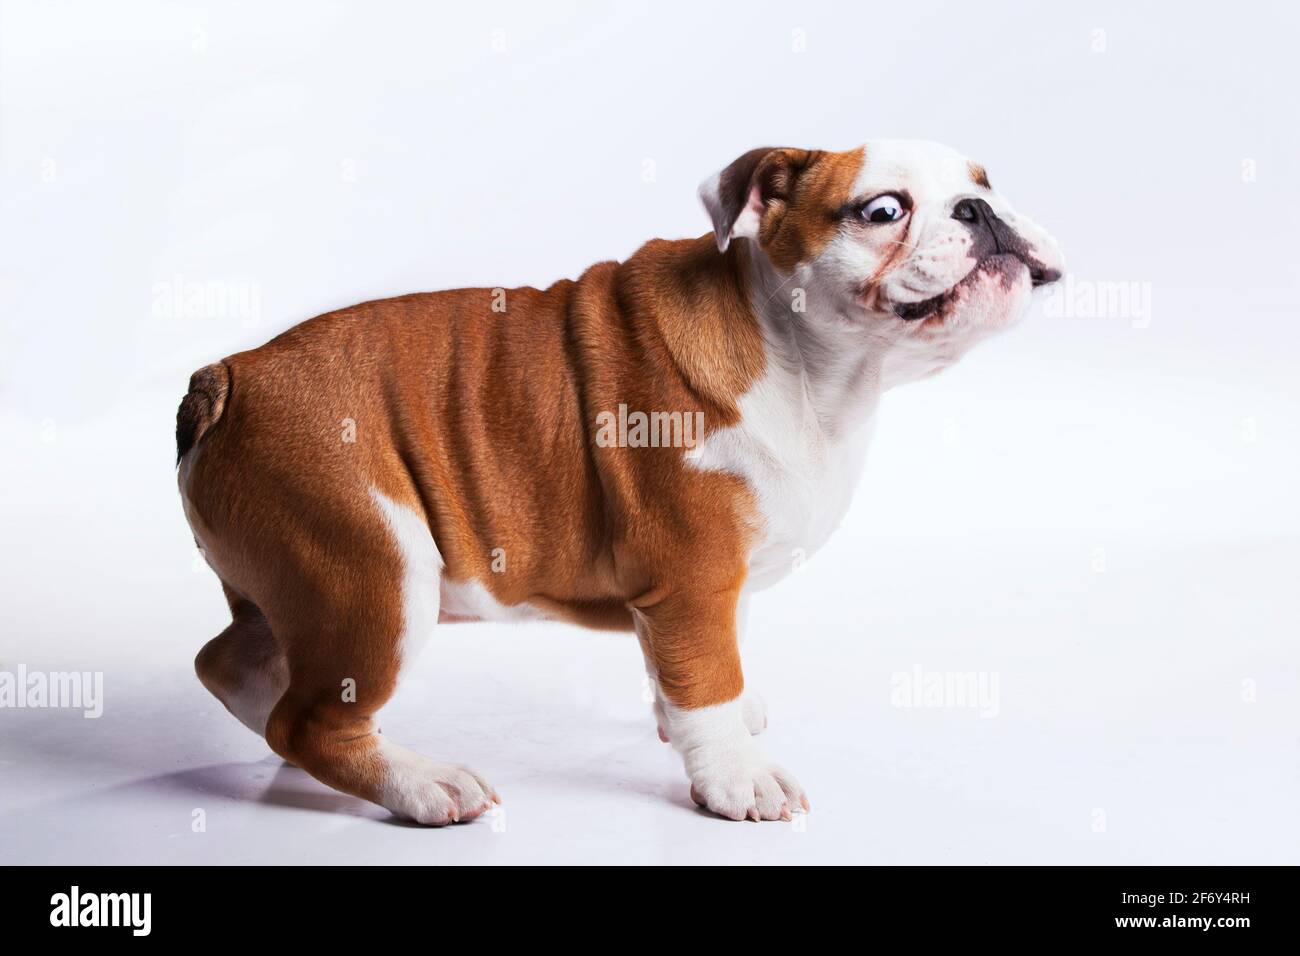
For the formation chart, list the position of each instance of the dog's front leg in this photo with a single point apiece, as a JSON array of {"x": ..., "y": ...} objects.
[
  {"x": 753, "y": 708},
  {"x": 690, "y": 641}
]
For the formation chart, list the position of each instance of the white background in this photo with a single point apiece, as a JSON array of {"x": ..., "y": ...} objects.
[{"x": 1100, "y": 510}]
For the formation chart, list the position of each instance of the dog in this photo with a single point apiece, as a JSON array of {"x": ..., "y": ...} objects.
[{"x": 640, "y": 449}]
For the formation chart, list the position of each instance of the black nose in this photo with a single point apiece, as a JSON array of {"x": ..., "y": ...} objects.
[
  {"x": 991, "y": 236},
  {"x": 991, "y": 233},
  {"x": 1043, "y": 276},
  {"x": 968, "y": 210}
]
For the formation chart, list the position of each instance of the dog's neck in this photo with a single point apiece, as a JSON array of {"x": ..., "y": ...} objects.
[
  {"x": 823, "y": 344},
  {"x": 733, "y": 322},
  {"x": 819, "y": 352}
]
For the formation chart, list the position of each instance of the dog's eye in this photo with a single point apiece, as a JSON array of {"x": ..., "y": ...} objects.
[{"x": 886, "y": 208}]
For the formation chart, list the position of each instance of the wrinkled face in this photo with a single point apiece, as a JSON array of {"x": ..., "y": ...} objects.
[
  {"x": 906, "y": 237},
  {"x": 925, "y": 239}
]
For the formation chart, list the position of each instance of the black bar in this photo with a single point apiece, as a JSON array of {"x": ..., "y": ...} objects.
[{"x": 209, "y": 905}]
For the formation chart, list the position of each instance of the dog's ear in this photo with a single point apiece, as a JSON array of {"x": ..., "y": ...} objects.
[{"x": 749, "y": 197}]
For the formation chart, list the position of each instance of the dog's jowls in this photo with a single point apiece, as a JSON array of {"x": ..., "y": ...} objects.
[{"x": 639, "y": 449}]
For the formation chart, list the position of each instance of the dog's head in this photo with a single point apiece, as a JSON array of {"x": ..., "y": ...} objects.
[{"x": 907, "y": 237}]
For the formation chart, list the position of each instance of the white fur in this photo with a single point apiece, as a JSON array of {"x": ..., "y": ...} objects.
[
  {"x": 430, "y": 792},
  {"x": 753, "y": 707},
  {"x": 728, "y": 770},
  {"x": 427, "y": 591},
  {"x": 802, "y": 475},
  {"x": 253, "y": 701},
  {"x": 413, "y": 786},
  {"x": 470, "y": 600},
  {"x": 421, "y": 572}
]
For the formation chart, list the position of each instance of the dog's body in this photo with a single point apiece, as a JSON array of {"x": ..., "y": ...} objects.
[{"x": 467, "y": 455}]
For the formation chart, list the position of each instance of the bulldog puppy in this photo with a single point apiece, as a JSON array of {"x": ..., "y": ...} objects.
[{"x": 639, "y": 449}]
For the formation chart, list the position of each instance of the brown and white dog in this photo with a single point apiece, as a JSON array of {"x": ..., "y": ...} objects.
[{"x": 452, "y": 456}]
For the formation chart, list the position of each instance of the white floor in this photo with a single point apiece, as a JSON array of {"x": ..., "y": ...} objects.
[{"x": 1099, "y": 517}]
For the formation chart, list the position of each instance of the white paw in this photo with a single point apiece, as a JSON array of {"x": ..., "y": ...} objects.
[
  {"x": 730, "y": 775},
  {"x": 429, "y": 792},
  {"x": 753, "y": 710},
  {"x": 748, "y": 789}
]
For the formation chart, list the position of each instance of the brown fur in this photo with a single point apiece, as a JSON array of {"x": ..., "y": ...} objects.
[
  {"x": 802, "y": 192},
  {"x": 483, "y": 423},
  {"x": 809, "y": 193}
]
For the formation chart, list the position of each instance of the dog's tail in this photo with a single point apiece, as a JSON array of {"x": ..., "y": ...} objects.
[{"x": 201, "y": 406}]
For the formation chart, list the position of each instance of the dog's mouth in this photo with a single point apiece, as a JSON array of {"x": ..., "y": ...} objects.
[{"x": 1006, "y": 266}]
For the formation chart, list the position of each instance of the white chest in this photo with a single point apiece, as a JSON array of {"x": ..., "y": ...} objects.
[{"x": 802, "y": 478}]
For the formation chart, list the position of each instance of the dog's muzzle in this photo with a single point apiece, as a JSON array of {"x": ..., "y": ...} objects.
[{"x": 993, "y": 237}]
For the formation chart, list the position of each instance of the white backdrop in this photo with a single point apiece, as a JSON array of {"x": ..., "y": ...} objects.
[{"x": 1097, "y": 510}]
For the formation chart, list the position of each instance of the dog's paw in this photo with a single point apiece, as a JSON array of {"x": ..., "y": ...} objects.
[
  {"x": 432, "y": 793},
  {"x": 729, "y": 773},
  {"x": 753, "y": 710},
  {"x": 748, "y": 790}
]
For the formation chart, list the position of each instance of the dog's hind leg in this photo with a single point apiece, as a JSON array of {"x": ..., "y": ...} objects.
[
  {"x": 370, "y": 608},
  {"x": 243, "y": 666}
]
